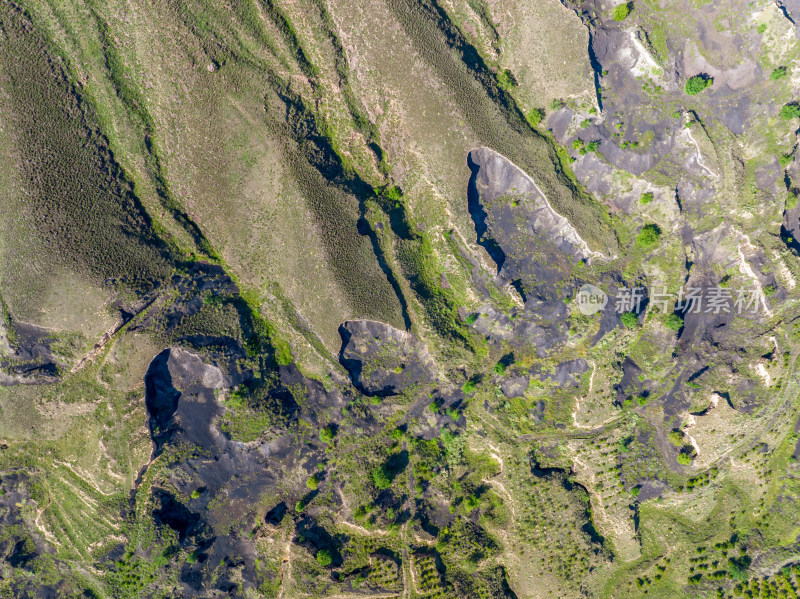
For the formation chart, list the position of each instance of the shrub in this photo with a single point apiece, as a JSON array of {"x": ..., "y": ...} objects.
[
  {"x": 500, "y": 368},
  {"x": 327, "y": 434},
  {"x": 778, "y": 73},
  {"x": 790, "y": 111},
  {"x": 675, "y": 437},
  {"x": 674, "y": 322},
  {"x": 393, "y": 193},
  {"x": 647, "y": 197},
  {"x": 761, "y": 28},
  {"x": 629, "y": 319},
  {"x": 506, "y": 80},
  {"x": 698, "y": 83},
  {"x": 324, "y": 558},
  {"x": 592, "y": 146},
  {"x": 312, "y": 482},
  {"x": 299, "y": 506},
  {"x": 685, "y": 459},
  {"x": 195, "y": 493},
  {"x": 622, "y": 11},
  {"x": 535, "y": 117},
  {"x": 785, "y": 160},
  {"x": 648, "y": 236},
  {"x": 382, "y": 477},
  {"x": 468, "y": 387}
]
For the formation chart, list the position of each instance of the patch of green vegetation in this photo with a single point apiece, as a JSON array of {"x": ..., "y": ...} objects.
[
  {"x": 646, "y": 198},
  {"x": 629, "y": 319},
  {"x": 535, "y": 116},
  {"x": 312, "y": 482},
  {"x": 621, "y": 11},
  {"x": 790, "y": 111},
  {"x": 649, "y": 236},
  {"x": 253, "y": 409},
  {"x": 381, "y": 477},
  {"x": 327, "y": 434},
  {"x": 696, "y": 84},
  {"x": 778, "y": 73},
  {"x": 673, "y": 322},
  {"x": 324, "y": 558},
  {"x": 676, "y": 438},
  {"x": 506, "y": 80},
  {"x": 761, "y": 28}
]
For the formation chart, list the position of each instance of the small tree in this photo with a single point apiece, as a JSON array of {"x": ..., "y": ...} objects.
[
  {"x": 674, "y": 322},
  {"x": 535, "y": 117},
  {"x": 648, "y": 237},
  {"x": 629, "y": 319},
  {"x": 698, "y": 83},
  {"x": 622, "y": 11},
  {"x": 506, "y": 80},
  {"x": 790, "y": 111},
  {"x": 778, "y": 73},
  {"x": 382, "y": 477},
  {"x": 313, "y": 482},
  {"x": 327, "y": 434},
  {"x": 675, "y": 437},
  {"x": 324, "y": 558}
]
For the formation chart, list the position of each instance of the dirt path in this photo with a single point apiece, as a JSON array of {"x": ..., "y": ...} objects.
[
  {"x": 362, "y": 530},
  {"x": 107, "y": 336},
  {"x": 285, "y": 571},
  {"x": 700, "y": 155}
]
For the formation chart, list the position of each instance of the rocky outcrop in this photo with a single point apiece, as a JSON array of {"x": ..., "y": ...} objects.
[{"x": 382, "y": 360}]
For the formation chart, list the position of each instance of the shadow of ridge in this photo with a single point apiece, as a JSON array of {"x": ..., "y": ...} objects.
[
  {"x": 478, "y": 214},
  {"x": 161, "y": 400}
]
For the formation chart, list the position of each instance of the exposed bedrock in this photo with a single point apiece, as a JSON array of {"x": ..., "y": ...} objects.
[
  {"x": 383, "y": 360},
  {"x": 204, "y": 463}
]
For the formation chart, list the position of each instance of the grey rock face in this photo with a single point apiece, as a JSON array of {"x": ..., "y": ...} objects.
[{"x": 382, "y": 360}]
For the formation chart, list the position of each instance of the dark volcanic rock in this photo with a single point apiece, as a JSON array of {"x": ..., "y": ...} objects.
[
  {"x": 382, "y": 360},
  {"x": 534, "y": 247},
  {"x": 31, "y": 359},
  {"x": 205, "y": 465}
]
